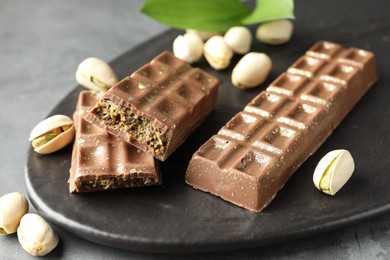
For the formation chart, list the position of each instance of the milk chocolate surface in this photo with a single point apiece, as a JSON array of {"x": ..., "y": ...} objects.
[
  {"x": 250, "y": 159},
  {"x": 101, "y": 161},
  {"x": 158, "y": 106}
]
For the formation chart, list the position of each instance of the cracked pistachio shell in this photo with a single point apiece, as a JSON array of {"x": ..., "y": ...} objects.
[
  {"x": 217, "y": 52},
  {"x": 188, "y": 47},
  {"x": 252, "y": 70},
  {"x": 239, "y": 39},
  {"x": 275, "y": 32},
  {"x": 12, "y": 208},
  {"x": 36, "y": 236},
  {"x": 52, "y": 134},
  {"x": 333, "y": 171},
  {"x": 95, "y": 74}
]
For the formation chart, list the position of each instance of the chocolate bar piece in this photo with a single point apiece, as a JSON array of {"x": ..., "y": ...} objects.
[
  {"x": 158, "y": 106},
  {"x": 101, "y": 161},
  {"x": 257, "y": 151}
]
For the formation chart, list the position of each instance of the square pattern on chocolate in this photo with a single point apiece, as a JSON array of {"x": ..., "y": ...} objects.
[
  {"x": 158, "y": 106},
  {"x": 257, "y": 151}
]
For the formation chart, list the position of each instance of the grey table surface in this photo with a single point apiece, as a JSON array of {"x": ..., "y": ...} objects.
[{"x": 41, "y": 44}]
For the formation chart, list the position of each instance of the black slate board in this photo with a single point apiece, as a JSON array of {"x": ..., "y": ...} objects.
[{"x": 176, "y": 218}]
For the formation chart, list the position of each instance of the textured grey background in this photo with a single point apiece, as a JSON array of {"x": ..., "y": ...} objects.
[{"x": 41, "y": 44}]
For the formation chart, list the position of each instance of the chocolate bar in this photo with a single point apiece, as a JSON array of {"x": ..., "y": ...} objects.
[
  {"x": 158, "y": 106},
  {"x": 250, "y": 159},
  {"x": 101, "y": 161}
]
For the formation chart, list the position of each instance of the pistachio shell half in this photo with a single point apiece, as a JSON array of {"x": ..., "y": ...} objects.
[
  {"x": 12, "y": 208},
  {"x": 36, "y": 236},
  {"x": 95, "y": 74},
  {"x": 333, "y": 171},
  {"x": 52, "y": 134}
]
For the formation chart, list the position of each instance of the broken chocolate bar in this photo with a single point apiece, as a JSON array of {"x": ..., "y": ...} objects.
[
  {"x": 101, "y": 161},
  {"x": 258, "y": 150},
  {"x": 158, "y": 106}
]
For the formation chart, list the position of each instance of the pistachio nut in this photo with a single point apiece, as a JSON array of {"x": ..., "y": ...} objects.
[
  {"x": 36, "y": 236},
  {"x": 12, "y": 208},
  {"x": 251, "y": 70},
  {"x": 275, "y": 32},
  {"x": 204, "y": 35},
  {"x": 52, "y": 134},
  {"x": 188, "y": 47},
  {"x": 217, "y": 52},
  {"x": 239, "y": 39},
  {"x": 333, "y": 171},
  {"x": 95, "y": 74}
]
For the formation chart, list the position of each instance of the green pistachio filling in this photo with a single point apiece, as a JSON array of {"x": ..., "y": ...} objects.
[
  {"x": 113, "y": 182},
  {"x": 140, "y": 128}
]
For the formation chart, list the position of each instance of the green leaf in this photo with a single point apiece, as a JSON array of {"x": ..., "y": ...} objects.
[
  {"x": 210, "y": 15},
  {"x": 267, "y": 10},
  {"x": 215, "y": 15}
]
